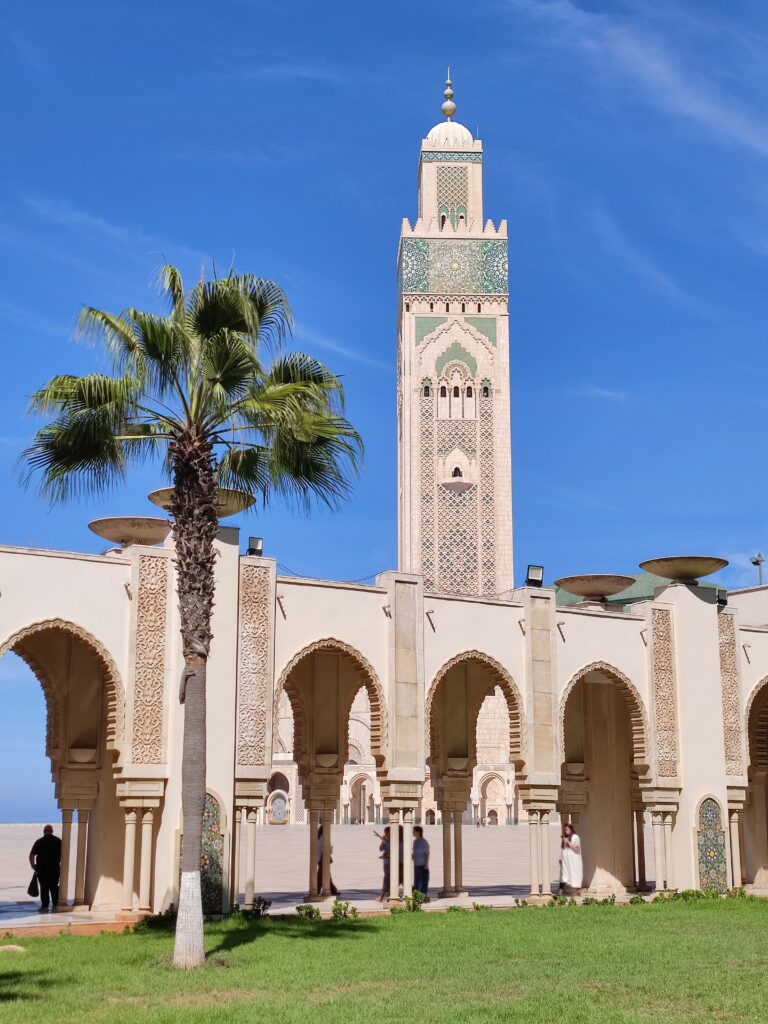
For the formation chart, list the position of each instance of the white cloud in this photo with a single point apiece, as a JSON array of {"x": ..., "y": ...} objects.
[
  {"x": 15, "y": 314},
  {"x": 321, "y": 341},
  {"x": 292, "y": 73},
  {"x": 596, "y": 391}
]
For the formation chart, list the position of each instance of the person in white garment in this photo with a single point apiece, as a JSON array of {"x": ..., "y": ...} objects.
[{"x": 571, "y": 867}]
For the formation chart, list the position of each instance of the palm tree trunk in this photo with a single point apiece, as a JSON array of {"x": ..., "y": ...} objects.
[{"x": 193, "y": 507}]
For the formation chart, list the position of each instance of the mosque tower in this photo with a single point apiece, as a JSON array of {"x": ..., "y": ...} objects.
[{"x": 454, "y": 447}]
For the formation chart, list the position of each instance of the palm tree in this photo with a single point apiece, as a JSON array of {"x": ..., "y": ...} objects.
[{"x": 191, "y": 386}]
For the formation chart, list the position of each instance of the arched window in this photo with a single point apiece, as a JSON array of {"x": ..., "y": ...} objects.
[
  {"x": 443, "y": 219},
  {"x": 443, "y": 392},
  {"x": 407, "y": 307},
  {"x": 486, "y": 392},
  {"x": 426, "y": 390},
  {"x": 456, "y": 392},
  {"x": 469, "y": 391},
  {"x": 456, "y": 472}
]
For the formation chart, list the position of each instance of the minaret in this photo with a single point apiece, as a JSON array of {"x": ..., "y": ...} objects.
[{"x": 454, "y": 451}]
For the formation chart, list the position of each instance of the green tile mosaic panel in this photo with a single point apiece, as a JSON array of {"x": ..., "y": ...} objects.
[
  {"x": 713, "y": 868},
  {"x": 472, "y": 267},
  {"x": 426, "y": 324},
  {"x": 452, "y": 157},
  {"x": 485, "y": 325},
  {"x": 455, "y": 351}
]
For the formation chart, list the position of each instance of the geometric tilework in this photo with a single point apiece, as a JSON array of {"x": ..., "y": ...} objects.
[
  {"x": 453, "y": 157},
  {"x": 713, "y": 871},
  {"x": 473, "y": 267}
]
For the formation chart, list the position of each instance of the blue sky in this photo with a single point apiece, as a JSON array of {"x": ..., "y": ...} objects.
[{"x": 626, "y": 143}]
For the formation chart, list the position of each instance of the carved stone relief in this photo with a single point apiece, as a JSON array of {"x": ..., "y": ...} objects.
[
  {"x": 665, "y": 694},
  {"x": 149, "y": 675},
  {"x": 729, "y": 677},
  {"x": 253, "y": 670}
]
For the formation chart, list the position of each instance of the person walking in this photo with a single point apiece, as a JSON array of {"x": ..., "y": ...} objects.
[
  {"x": 420, "y": 862},
  {"x": 384, "y": 858},
  {"x": 320, "y": 843},
  {"x": 571, "y": 865},
  {"x": 45, "y": 861}
]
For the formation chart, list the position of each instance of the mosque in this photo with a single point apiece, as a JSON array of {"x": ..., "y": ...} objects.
[{"x": 443, "y": 693}]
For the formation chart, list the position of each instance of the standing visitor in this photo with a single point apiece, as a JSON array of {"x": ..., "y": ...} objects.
[
  {"x": 420, "y": 862},
  {"x": 45, "y": 860},
  {"x": 571, "y": 867},
  {"x": 384, "y": 858},
  {"x": 320, "y": 843}
]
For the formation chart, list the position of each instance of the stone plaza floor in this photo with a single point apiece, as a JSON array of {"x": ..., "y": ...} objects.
[{"x": 496, "y": 869}]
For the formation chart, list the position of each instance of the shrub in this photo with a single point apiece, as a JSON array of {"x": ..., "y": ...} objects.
[
  {"x": 636, "y": 900},
  {"x": 164, "y": 921},
  {"x": 254, "y": 913},
  {"x": 481, "y": 906},
  {"x": 308, "y": 912},
  {"x": 344, "y": 911}
]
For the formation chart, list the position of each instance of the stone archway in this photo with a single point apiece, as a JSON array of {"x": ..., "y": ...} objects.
[
  {"x": 603, "y": 740},
  {"x": 756, "y": 810}
]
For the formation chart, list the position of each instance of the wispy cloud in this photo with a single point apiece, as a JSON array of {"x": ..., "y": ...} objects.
[
  {"x": 18, "y": 315},
  {"x": 311, "y": 337},
  {"x": 659, "y": 73},
  {"x": 598, "y": 392},
  {"x": 290, "y": 73}
]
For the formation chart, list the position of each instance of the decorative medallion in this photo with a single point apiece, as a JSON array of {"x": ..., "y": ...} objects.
[{"x": 476, "y": 267}]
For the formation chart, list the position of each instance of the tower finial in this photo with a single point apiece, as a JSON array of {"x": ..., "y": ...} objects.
[{"x": 449, "y": 107}]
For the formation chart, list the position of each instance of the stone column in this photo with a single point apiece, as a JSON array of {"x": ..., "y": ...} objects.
[
  {"x": 129, "y": 858},
  {"x": 82, "y": 845},
  {"x": 657, "y": 821},
  {"x": 394, "y": 854},
  {"x": 736, "y": 876},
  {"x": 668, "y": 860},
  {"x": 145, "y": 865},
  {"x": 447, "y": 888},
  {"x": 546, "y": 873},
  {"x": 326, "y": 865},
  {"x": 407, "y": 852},
  {"x": 760, "y": 830},
  {"x": 533, "y": 832},
  {"x": 458, "y": 865},
  {"x": 66, "y": 846},
  {"x": 640, "y": 836},
  {"x": 250, "y": 856},
  {"x": 236, "y": 855},
  {"x": 314, "y": 824},
  {"x": 363, "y": 803}
]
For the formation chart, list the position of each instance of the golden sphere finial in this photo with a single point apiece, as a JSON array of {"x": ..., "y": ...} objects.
[{"x": 449, "y": 107}]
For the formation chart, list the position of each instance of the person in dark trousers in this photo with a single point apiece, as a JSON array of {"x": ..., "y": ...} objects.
[
  {"x": 420, "y": 862},
  {"x": 45, "y": 860}
]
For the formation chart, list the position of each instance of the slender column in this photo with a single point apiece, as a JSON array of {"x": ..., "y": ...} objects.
[
  {"x": 82, "y": 841},
  {"x": 314, "y": 824},
  {"x": 640, "y": 835},
  {"x": 668, "y": 860},
  {"x": 363, "y": 803},
  {"x": 129, "y": 855},
  {"x": 394, "y": 854},
  {"x": 546, "y": 873},
  {"x": 145, "y": 865},
  {"x": 66, "y": 846},
  {"x": 759, "y": 816},
  {"x": 658, "y": 850},
  {"x": 736, "y": 877},
  {"x": 408, "y": 852},
  {"x": 236, "y": 858},
  {"x": 447, "y": 889},
  {"x": 326, "y": 865},
  {"x": 458, "y": 859},
  {"x": 250, "y": 855},
  {"x": 533, "y": 832}
]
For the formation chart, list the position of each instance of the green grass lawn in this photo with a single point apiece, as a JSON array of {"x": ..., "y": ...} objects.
[{"x": 703, "y": 961}]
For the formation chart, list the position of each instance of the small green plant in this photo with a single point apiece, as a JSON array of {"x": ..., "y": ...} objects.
[
  {"x": 590, "y": 901},
  {"x": 481, "y": 906},
  {"x": 164, "y": 922},
  {"x": 458, "y": 910},
  {"x": 520, "y": 903},
  {"x": 308, "y": 912},
  {"x": 344, "y": 911},
  {"x": 636, "y": 900},
  {"x": 414, "y": 901},
  {"x": 254, "y": 913}
]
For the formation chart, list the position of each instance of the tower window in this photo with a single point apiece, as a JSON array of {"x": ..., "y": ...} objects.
[
  {"x": 447, "y": 308},
  {"x": 432, "y": 307},
  {"x": 456, "y": 472},
  {"x": 478, "y": 307},
  {"x": 426, "y": 390},
  {"x": 486, "y": 392},
  {"x": 443, "y": 219},
  {"x": 463, "y": 308},
  {"x": 443, "y": 392},
  {"x": 469, "y": 392},
  {"x": 407, "y": 307},
  {"x": 455, "y": 392}
]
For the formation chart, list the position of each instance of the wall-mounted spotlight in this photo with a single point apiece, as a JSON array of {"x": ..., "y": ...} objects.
[
  {"x": 255, "y": 546},
  {"x": 722, "y": 598},
  {"x": 535, "y": 576}
]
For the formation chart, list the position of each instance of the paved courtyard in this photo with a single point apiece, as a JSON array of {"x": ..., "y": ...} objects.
[{"x": 495, "y": 868}]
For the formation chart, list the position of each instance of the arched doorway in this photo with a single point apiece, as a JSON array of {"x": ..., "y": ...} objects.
[
  {"x": 756, "y": 810},
  {"x": 492, "y": 799},
  {"x": 84, "y": 707},
  {"x": 455, "y": 698},
  {"x": 278, "y": 790},
  {"x": 603, "y": 747}
]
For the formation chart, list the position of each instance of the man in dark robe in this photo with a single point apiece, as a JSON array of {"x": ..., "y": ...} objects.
[{"x": 45, "y": 859}]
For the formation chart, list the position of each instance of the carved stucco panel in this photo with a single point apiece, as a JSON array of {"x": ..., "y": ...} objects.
[
  {"x": 729, "y": 678},
  {"x": 253, "y": 682},
  {"x": 149, "y": 674},
  {"x": 665, "y": 693}
]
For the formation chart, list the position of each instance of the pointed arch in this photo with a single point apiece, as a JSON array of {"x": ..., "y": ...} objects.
[
  {"x": 20, "y": 644},
  {"x": 499, "y": 677},
  {"x": 756, "y": 725},
  {"x": 369, "y": 679},
  {"x": 637, "y": 718}
]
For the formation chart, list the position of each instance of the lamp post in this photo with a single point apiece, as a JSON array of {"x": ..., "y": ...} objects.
[{"x": 757, "y": 560}]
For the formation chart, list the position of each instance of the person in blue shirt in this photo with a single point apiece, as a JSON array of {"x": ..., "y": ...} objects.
[{"x": 420, "y": 861}]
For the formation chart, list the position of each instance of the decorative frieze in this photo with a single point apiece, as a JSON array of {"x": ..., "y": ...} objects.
[
  {"x": 664, "y": 694},
  {"x": 451, "y": 157},
  {"x": 729, "y": 679},
  {"x": 253, "y": 675},
  {"x": 149, "y": 670},
  {"x": 477, "y": 266}
]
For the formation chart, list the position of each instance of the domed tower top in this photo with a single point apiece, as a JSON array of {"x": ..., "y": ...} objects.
[{"x": 450, "y": 133}]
